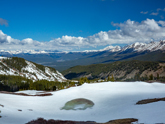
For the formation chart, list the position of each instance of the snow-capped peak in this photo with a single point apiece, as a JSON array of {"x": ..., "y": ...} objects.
[
  {"x": 152, "y": 46},
  {"x": 135, "y": 46},
  {"x": 116, "y": 49},
  {"x": 108, "y": 48}
]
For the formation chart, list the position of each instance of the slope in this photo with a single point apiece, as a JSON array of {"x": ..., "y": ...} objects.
[
  {"x": 120, "y": 70},
  {"x": 112, "y": 100},
  {"x": 21, "y": 67}
]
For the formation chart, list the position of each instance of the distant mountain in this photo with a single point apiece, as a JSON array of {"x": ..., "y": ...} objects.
[
  {"x": 153, "y": 51},
  {"x": 21, "y": 67},
  {"x": 152, "y": 46},
  {"x": 127, "y": 70}
]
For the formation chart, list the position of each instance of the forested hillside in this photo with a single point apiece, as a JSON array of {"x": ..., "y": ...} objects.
[
  {"x": 16, "y": 83},
  {"x": 126, "y": 70}
]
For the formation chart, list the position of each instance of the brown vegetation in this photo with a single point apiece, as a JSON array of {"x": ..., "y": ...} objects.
[
  {"x": 23, "y": 94},
  {"x": 118, "y": 121},
  {"x": 1, "y": 105},
  {"x": 146, "y": 101}
]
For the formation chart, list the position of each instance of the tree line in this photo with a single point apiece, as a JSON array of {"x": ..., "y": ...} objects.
[{"x": 15, "y": 83}]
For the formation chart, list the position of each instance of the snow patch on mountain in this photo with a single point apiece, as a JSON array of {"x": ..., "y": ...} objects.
[
  {"x": 31, "y": 71},
  {"x": 152, "y": 46},
  {"x": 138, "y": 47},
  {"x": 108, "y": 48}
]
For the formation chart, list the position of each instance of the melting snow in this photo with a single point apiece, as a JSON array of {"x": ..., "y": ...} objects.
[
  {"x": 31, "y": 92},
  {"x": 113, "y": 100}
]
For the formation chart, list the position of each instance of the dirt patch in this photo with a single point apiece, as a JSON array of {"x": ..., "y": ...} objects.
[
  {"x": 118, "y": 121},
  {"x": 146, "y": 101},
  {"x": 23, "y": 94},
  {"x": 1, "y": 105},
  {"x": 132, "y": 74},
  {"x": 123, "y": 121}
]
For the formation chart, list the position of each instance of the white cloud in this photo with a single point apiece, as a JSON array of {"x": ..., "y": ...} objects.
[
  {"x": 144, "y": 12},
  {"x": 127, "y": 32},
  {"x": 154, "y": 13},
  {"x": 158, "y": 11},
  {"x": 162, "y": 17},
  {"x": 3, "y": 22},
  {"x": 161, "y": 23}
]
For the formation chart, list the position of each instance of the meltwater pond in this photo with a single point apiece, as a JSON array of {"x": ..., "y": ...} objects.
[
  {"x": 78, "y": 104},
  {"x": 107, "y": 100}
]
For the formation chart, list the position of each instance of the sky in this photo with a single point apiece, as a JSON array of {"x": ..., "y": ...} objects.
[{"x": 75, "y": 25}]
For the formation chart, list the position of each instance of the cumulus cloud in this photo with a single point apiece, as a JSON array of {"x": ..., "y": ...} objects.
[
  {"x": 3, "y": 22},
  {"x": 161, "y": 23},
  {"x": 126, "y": 33}
]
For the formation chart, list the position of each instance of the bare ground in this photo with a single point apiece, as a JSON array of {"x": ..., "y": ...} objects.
[
  {"x": 23, "y": 94},
  {"x": 118, "y": 121},
  {"x": 146, "y": 101}
]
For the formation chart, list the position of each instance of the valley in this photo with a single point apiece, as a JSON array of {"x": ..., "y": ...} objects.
[
  {"x": 82, "y": 62},
  {"x": 153, "y": 51}
]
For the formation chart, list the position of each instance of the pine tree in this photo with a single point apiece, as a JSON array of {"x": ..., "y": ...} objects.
[
  {"x": 109, "y": 79},
  {"x": 112, "y": 78},
  {"x": 157, "y": 76},
  {"x": 151, "y": 76}
]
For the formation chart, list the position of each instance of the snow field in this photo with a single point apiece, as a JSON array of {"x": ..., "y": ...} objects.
[{"x": 113, "y": 100}]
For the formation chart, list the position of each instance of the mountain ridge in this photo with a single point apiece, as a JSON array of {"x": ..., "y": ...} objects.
[
  {"x": 20, "y": 67},
  {"x": 64, "y": 60},
  {"x": 127, "y": 70},
  {"x": 137, "y": 46}
]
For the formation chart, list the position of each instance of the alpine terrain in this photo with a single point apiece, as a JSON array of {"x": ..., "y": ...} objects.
[
  {"x": 20, "y": 67},
  {"x": 153, "y": 51}
]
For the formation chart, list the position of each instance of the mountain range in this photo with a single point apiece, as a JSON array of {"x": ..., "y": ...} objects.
[{"x": 153, "y": 51}]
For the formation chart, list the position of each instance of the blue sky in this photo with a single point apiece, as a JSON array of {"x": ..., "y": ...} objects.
[{"x": 77, "y": 24}]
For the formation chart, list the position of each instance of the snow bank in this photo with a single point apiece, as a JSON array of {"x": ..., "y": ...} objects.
[
  {"x": 112, "y": 100},
  {"x": 3, "y": 57},
  {"x": 32, "y": 92}
]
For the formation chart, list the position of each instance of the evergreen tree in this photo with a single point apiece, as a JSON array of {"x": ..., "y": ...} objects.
[
  {"x": 112, "y": 78},
  {"x": 146, "y": 77},
  {"x": 151, "y": 77},
  {"x": 109, "y": 79},
  {"x": 157, "y": 76}
]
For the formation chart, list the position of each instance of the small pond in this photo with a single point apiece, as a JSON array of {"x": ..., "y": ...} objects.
[{"x": 78, "y": 104}]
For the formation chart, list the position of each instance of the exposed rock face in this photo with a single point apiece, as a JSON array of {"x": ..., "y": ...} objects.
[{"x": 78, "y": 104}]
